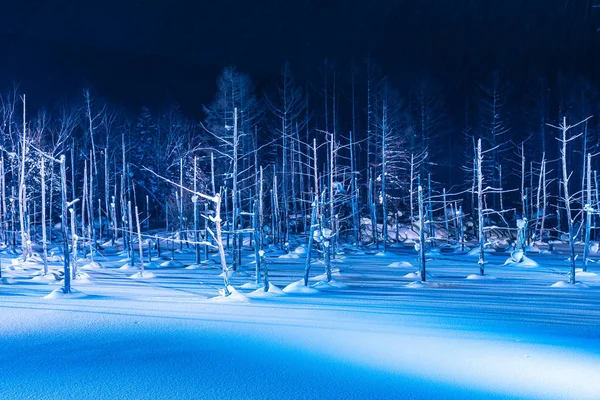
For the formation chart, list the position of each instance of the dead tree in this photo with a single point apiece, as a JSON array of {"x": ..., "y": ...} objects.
[{"x": 564, "y": 140}]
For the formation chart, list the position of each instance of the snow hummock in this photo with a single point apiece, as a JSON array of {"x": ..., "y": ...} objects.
[
  {"x": 324, "y": 285},
  {"x": 171, "y": 264},
  {"x": 143, "y": 275},
  {"x": 518, "y": 257},
  {"x": 251, "y": 285},
  {"x": 567, "y": 285},
  {"x": 476, "y": 277},
  {"x": 289, "y": 255},
  {"x": 92, "y": 265},
  {"x": 299, "y": 288},
  {"x": 260, "y": 292},
  {"x": 401, "y": 264},
  {"x": 60, "y": 294},
  {"x": 420, "y": 284},
  {"x": 234, "y": 296},
  {"x": 417, "y": 275}
]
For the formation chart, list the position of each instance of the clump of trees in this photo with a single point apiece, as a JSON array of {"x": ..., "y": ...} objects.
[{"x": 352, "y": 160}]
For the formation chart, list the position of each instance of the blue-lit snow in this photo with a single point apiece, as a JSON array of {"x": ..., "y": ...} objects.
[{"x": 368, "y": 335}]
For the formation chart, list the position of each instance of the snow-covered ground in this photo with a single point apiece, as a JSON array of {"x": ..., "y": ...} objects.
[{"x": 372, "y": 333}]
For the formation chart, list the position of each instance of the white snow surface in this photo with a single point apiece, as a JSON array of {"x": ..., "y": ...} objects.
[{"x": 373, "y": 337}]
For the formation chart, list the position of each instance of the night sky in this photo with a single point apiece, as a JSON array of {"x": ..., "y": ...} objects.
[{"x": 149, "y": 51}]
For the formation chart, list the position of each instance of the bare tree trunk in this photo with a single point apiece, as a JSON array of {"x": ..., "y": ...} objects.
[
  {"x": 44, "y": 242},
  {"x": 130, "y": 225},
  {"x": 92, "y": 229},
  {"x": 480, "y": 208},
  {"x": 140, "y": 244},
  {"x": 383, "y": 176},
  {"x": 422, "y": 236},
  {"x": 196, "y": 216},
  {"x": 446, "y": 216},
  {"x": 524, "y": 210},
  {"x": 25, "y": 243},
  {"x": 63, "y": 224},
  {"x": 180, "y": 203},
  {"x": 313, "y": 226},
  {"x": 219, "y": 240},
  {"x": 73, "y": 243},
  {"x": 588, "y": 212},
  {"x": 411, "y": 190},
  {"x": 373, "y": 210},
  {"x": 4, "y": 221},
  {"x": 544, "y": 197}
]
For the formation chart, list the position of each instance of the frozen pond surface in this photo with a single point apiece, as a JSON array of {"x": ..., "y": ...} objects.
[{"x": 372, "y": 333}]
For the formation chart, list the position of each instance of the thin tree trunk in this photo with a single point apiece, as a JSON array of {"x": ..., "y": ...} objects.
[
  {"x": 44, "y": 242},
  {"x": 422, "y": 236},
  {"x": 140, "y": 244},
  {"x": 588, "y": 212},
  {"x": 480, "y": 208},
  {"x": 63, "y": 224}
]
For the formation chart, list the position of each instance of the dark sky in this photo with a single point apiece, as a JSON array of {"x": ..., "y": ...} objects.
[{"x": 136, "y": 51}]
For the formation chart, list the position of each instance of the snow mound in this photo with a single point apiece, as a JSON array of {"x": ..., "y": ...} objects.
[
  {"x": 324, "y": 285},
  {"x": 59, "y": 294},
  {"x": 522, "y": 261},
  {"x": 474, "y": 252},
  {"x": 151, "y": 265},
  {"x": 323, "y": 276},
  {"x": 587, "y": 274},
  {"x": 381, "y": 254},
  {"x": 251, "y": 285},
  {"x": 567, "y": 285},
  {"x": 171, "y": 264},
  {"x": 127, "y": 267},
  {"x": 92, "y": 265},
  {"x": 289, "y": 255},
  {"x": 299, "y": 288},
  {"x": 400, "y": 264},
  {"x": 417, "y": 275},
  {"x": 475, "y": 277},
  {"x": 142, "y": 275},
  {"x": 420, "y": 285},
  {"x": 234, "y": 296},
  {"x": 194, "y": 266},
  {"x": 300, "y": 250},
  {"x": 49, "y": 277},
  {"x": 260, "y": 293}
]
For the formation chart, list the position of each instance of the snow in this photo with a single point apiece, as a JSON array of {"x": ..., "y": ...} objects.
[
  {"x": 299, "y": 288},
  {"x": 567, "y": 285},
  {"x": 260, "y": 293},
  {"x": 401, "y": 264},
  {"x": 368, "y": 334},
  {"x": 143, "y": 275},
  {"x": 477, "y": 277}
]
